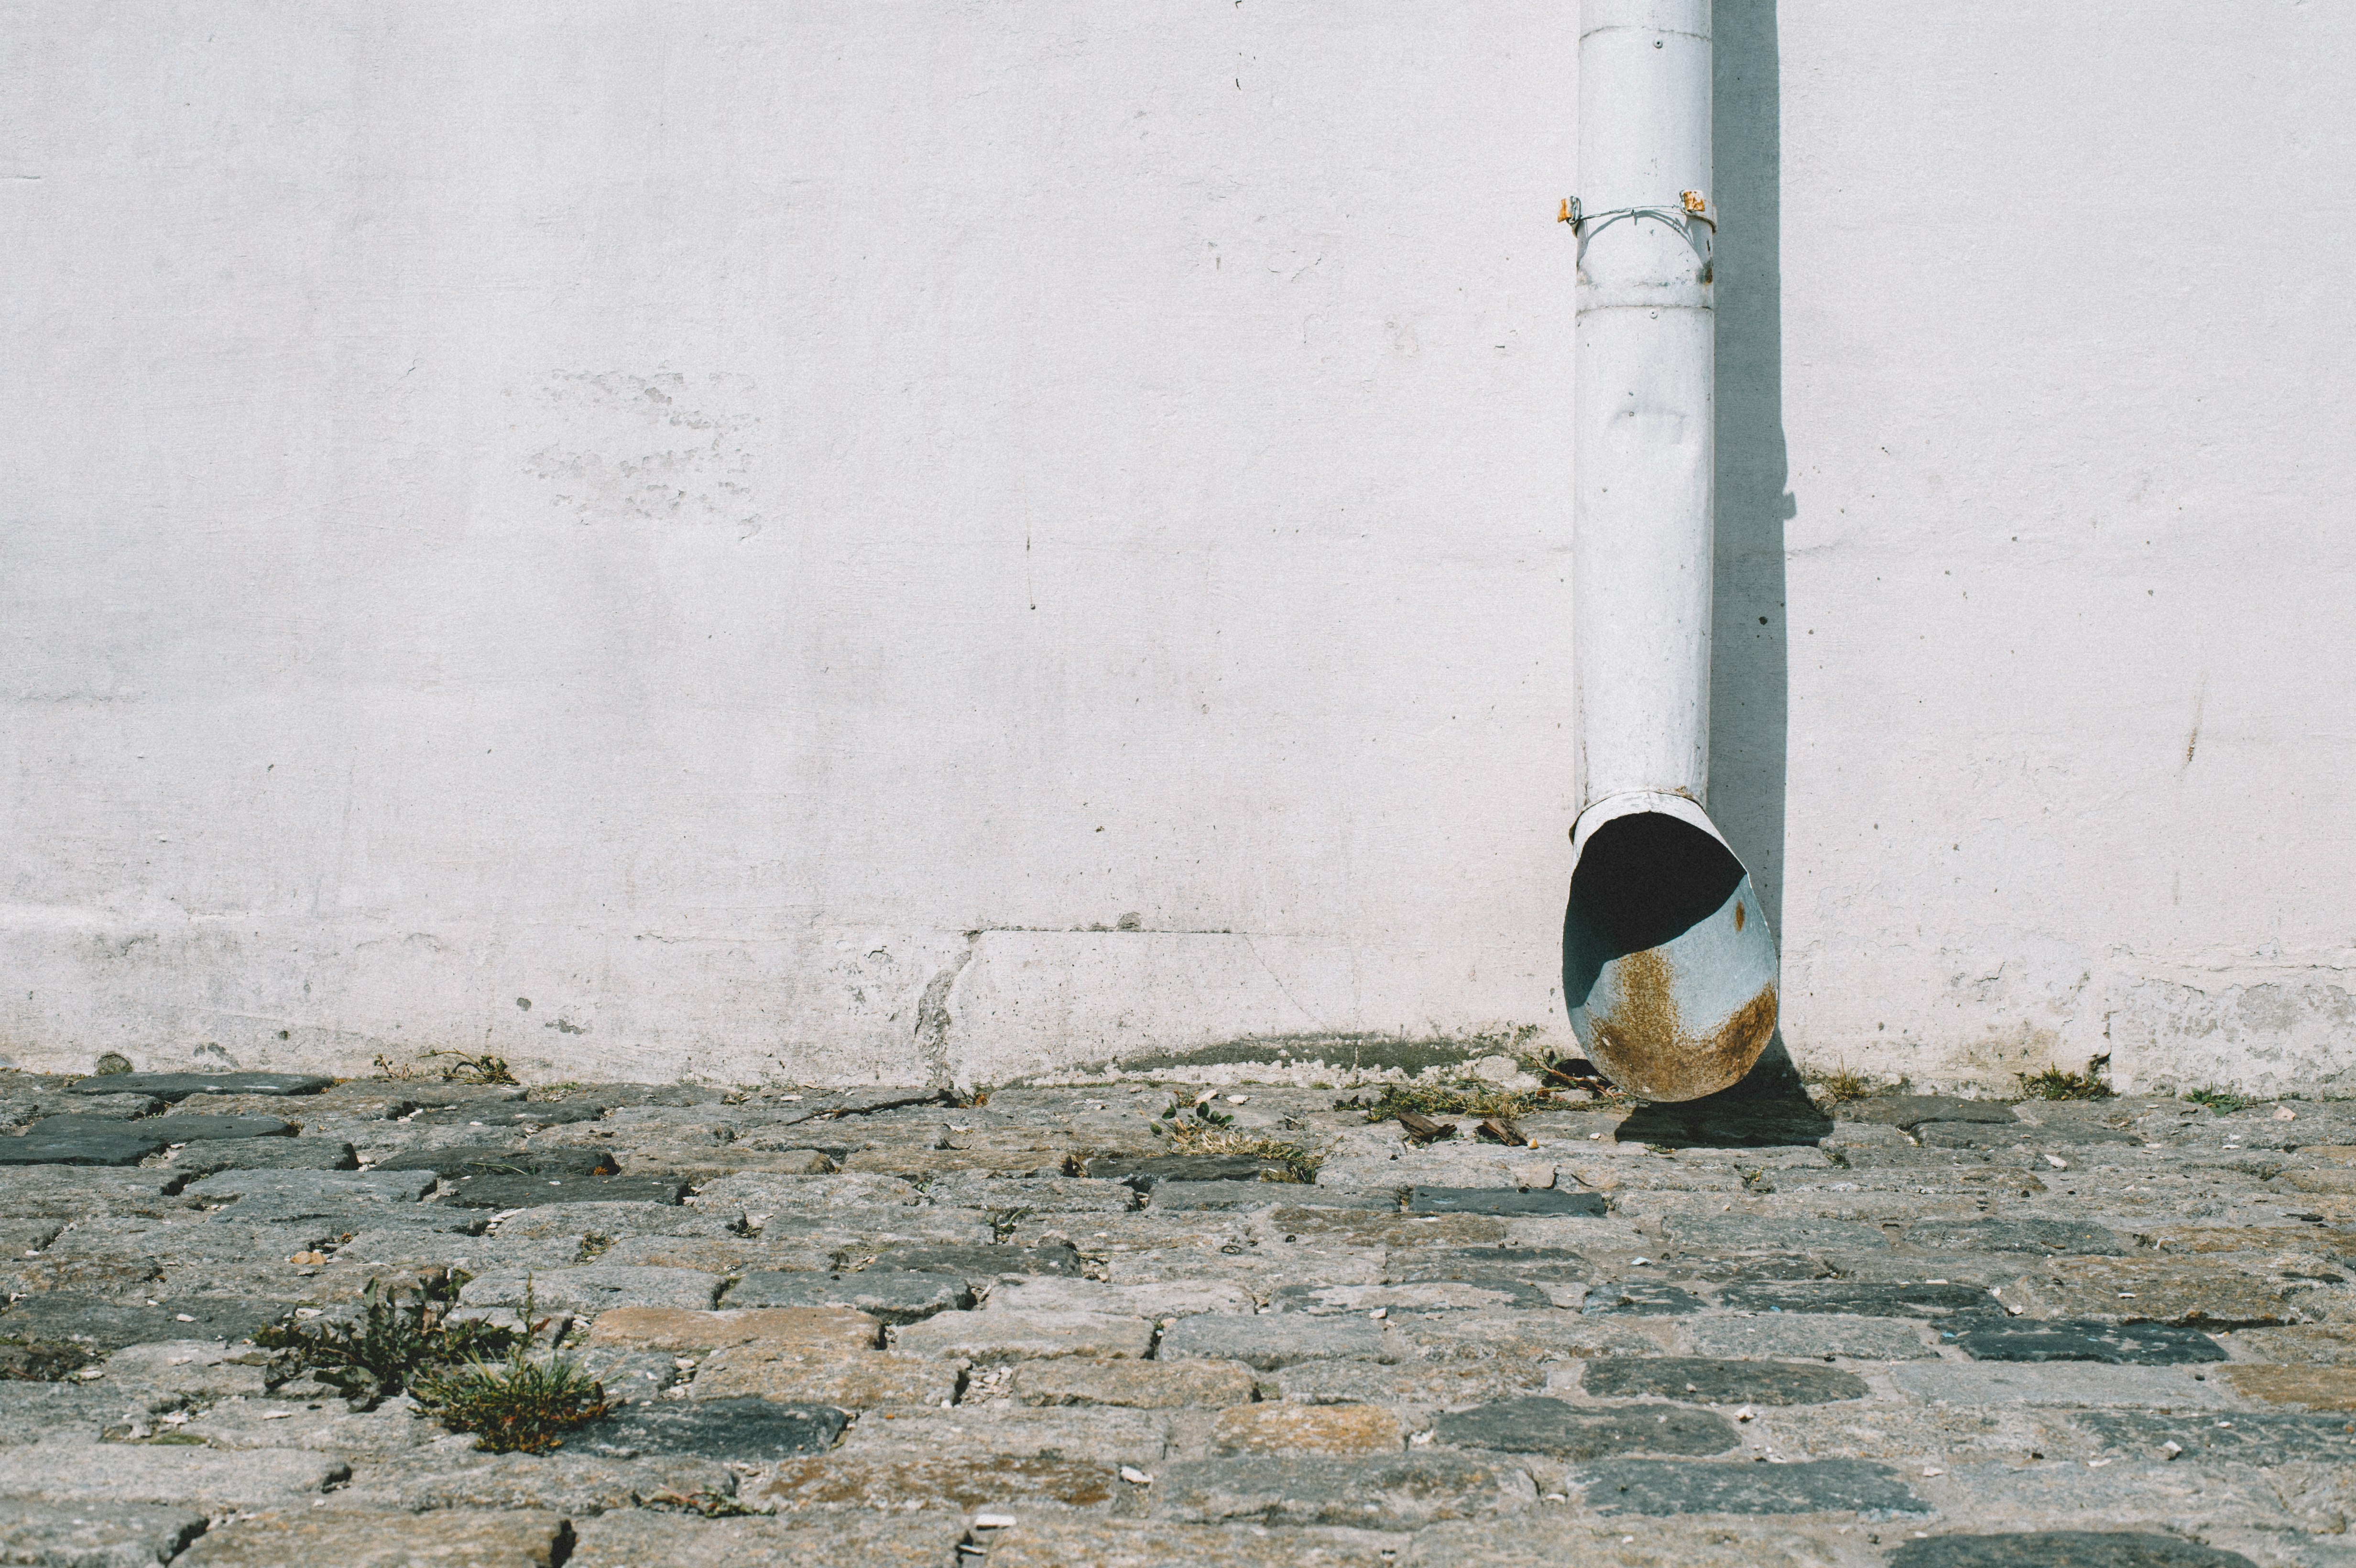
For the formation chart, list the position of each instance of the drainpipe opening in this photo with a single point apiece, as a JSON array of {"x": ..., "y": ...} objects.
[{"x": 1667, "y": 962}]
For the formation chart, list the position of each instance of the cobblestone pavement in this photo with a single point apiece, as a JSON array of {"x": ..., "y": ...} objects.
[{"x": 878, "y": 1328}]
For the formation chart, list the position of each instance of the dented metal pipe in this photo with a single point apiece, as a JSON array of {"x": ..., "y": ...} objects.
[{"x": 1669, "y": 969}]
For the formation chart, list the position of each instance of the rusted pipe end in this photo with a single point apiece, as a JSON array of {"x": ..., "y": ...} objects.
[{"x": 1668, "y": 966}]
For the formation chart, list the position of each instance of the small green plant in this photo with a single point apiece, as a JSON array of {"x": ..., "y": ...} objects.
[
  {"x": 394, "y": 1343},
  {"x": 2054, "y": 1083},
  {"x": 1002, "y": 1222},
  {"x": 520, "y": 1405},
  {"x": 464, "y": 1068},
  {"x": 2224, "y": 1102},
  {"x": 1840, "y": 1085},
  {"x": 1206, "y": 1131},
  {"x": 1204, "y": 1112}
]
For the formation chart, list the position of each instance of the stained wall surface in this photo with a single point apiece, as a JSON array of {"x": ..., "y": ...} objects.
[{"x": 899, "y": 538}]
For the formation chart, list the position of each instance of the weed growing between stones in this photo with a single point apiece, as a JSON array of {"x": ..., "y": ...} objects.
[
  {"x": 2224, "y": 1102},
  {"x": 1840, "y": 1085},
  {"x": 2055, "y": 1084},
  {"x": 516, "y": 1406},
  {"x": 1469, "y": 1097},
  {"x": 1203, "y": 1130},
  {"x": 393, "y": 1344},
  {"x": 461, "y": 1068}
]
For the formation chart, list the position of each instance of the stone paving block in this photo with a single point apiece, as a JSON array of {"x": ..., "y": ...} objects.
[
  {"x": 978, "y": 1264},
  {"x": 500, "y": 1112},
  {"x": 595, "y": 1287},
  {"x": 1709, "y": 1381},
  {"x": 1641, "y": 1297},
  {"x": 1554, "y": 1265},
  {"x": 1406, "y": 1492},
  {"x": 456, "y": 1161},
  {"x": 1158, "y": 1301},
  {"x": 2066, "y": 1339},
  {"x": 2057, "y": 1383},
  {"x": 1796, "y": 1334},
  {"x": 392, "y": 1427},
  {"x": 345, "y": 1187},
  {"x": 1909, "y": 1111},
  {"x": 897, "y": 1296},
  {"x": 451, "y": 1477},
  {"x": 2014, "y": 1236},
  {"x": 619, "y": 1221},
  {"x": 1544, "y": 1539},
  {"x": 99, "y": 1326},
  {"x": 2157, "y": 1290},
  {"x": 1372, "y": 1228},
  {"x": 960, "y": 1483},
  {"x": 741, "y": 1430},
  {"x": 854, "y": 1380},
  {"x": 1502, "y": 1201},
  {"x": 311, "y": 1540},
  {"x": 1705, "y": 1486},
  {"x": 1099, "y": 1435},
  {"x": 762, "y": 1194},
  {"x": 182, "y": 1085},
  {"x": 1921, "y": 1299},
  {"x": 1451, "y": 1296},
  {"x": 1270, "y": 1341},
  {"x": 1544, "y": 1425},
  {"x": 1445, "y": 1385},
  {"x": 1526, "y": 1336},
  {"x": 1148, "y": 1170},
  {"x": 1142, "y": 1385},
  {"x": 265, "y": 1154},
  {"x": 107, "y": 1144},
  {"x": 63, "y": 1535},
  {"x": 640, "y": 1538},
  {"x": 1042, "y": 1195},
  {"x": 816, "y": 1330},
  {"x": 1744, "y": 1233},
  {"x": 195, "y": 1126},
  {"x": 526, "y": 1191},
  {"x": 2103, "y": 1495},
  {"x": 2267, "y": 1438},
  {"x": 2063, "y": 1549},
  {"x": 100, "y": 1473},
  {"x": 195, "y": 1369},
  {"x": 1048, "y": 1542},
  {"x": 1343, "y": 1430},
  {"x": 2315, "y": 1388},
  {"x": 1006, "y": 1336}
]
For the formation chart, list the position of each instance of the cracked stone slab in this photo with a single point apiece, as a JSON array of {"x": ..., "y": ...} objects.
[
  {"x": 63, "y": 1535},
  {"x": 312, "y": 1186},
  {"x": 1510, "y": 1200},
  {"x": 1390, "y": 1494},
  {"x": 1909, "y": 1111},
  {"x": 1551, "y": 1426},
  {"x": 453, "y": 1161},
  {"x": 2065, "y": 1340},
  {"x": 216, "y": 1155},
  {"x": 111, "y": 1144},
  {"x": 1711, "y": 1381},
  {"x": 1704, "y": 1486}
]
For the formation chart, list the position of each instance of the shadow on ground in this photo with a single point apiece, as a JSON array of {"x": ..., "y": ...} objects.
[{"x": 1769, "y": 1106}]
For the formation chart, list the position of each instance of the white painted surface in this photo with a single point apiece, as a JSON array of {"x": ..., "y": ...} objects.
[{"x": 512, "y": 501}]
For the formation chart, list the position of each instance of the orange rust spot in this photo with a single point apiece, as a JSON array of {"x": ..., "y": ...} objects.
[
  {"x": 1644, "y": 1045},
  {"x": 1737, "y": 917}
]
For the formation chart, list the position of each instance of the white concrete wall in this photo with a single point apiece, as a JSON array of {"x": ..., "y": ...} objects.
[{"x": 768, "y": 530}]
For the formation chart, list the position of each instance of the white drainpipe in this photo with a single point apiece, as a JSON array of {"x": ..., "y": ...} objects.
[{"x": 1668, "y": 966}]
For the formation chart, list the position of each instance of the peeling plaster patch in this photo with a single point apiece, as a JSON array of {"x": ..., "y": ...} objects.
[
  {"x": 651, "y": 448},
  {"x": 2268, "y": 1036},
  {"x": 933, "y": 1016}
]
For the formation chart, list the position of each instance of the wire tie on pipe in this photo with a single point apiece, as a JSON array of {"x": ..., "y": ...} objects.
[{"x": 1692, "y": 209}]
